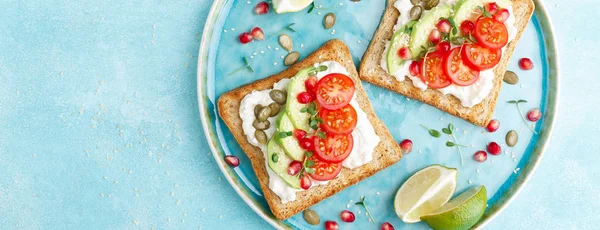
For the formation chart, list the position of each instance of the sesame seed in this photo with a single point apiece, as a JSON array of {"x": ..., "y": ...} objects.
[
  {"x": 470, "y": 182},
  {"x": 347, "y": 205}
]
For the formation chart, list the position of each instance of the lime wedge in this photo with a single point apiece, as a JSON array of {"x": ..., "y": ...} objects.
[
  {"x": 287, "y": 6},
  {"x": 462, "y": 212},
  {"x": 424, "y": 192}
]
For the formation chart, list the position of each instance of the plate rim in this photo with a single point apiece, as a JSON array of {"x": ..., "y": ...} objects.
[{"x": 527, "y": 172}]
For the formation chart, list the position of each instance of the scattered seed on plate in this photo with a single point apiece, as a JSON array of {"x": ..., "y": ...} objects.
[
  {"x": 286, "y": 42},
  {"x": 329, "y": 20},
  {"x": 291, "y": 58}
]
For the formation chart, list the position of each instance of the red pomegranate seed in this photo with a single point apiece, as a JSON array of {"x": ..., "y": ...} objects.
[
  {"x": 493, "y": 126},
  {"x": 534, "y": 115},
  {"x": 294, "y": 168},
  {"x": 502, "y": 15},
  {"x": 491, "y": 7},
  {"x": 347, "y": 216},
  {"x": 525, "y": 64},
  {"x": 258, "y": 33},
  {"x": 443, "y": 46},
  {"x": 467, "y": 27},
  {"x": 304, "y": 98},
  {"x": 245, "y": 38},
  {"x": 387, "y": 226},
  {"x": 494, "y": 148},
  {"x": 406, "y": 146},
  {"x": 233, "y": 161},
  {"x": 435, "y": 36},
  {"x": 480, "y": 156},
  {"x": 444, "y": 26},
  {"x": 299, "y": 133},
  {"x": 311, "y": 84},
  {"x": 404, "y": 53},
  {"x": 261, "y": 8},
  {"x": 307, "y": 143},
  {"x": 331, "y": 225},
  {"x": 305, "y": 182},
  {"x": 415, "y": 68}
]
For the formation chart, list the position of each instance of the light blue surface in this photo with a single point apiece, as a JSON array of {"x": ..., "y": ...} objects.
[{"x": 100, "y": 125}]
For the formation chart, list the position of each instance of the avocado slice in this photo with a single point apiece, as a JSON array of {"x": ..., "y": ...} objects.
[
  {"x": 280, "y": 163},
  {"x": 464, "y": 9},
  {"x": 421, "y": 30},
  {"x": 289, "y": 144},
  {"x": 393, "y": 61},
  {"x": 292, "y": 106}
]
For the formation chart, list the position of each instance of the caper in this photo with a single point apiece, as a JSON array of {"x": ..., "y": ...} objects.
[
  {"x": 261, "y": 125},
  {"x": 329, "y": 20},
  {"x": 511, "y": 77},
  {"x": 275, "y": 108},
  {"x": 512, "y": 138},
  {"x": 257, "y": 109},
  {"x": 291, "y": 58},
  {"x": 264, "y": 114},
  {"x": 278, "y": 96},
  {"x": 415, "y": 12},
  {"x": 311, "y": 217},
  {"x": 431, "y": 3},
  {"x": 261, "y": 136},
  {"x": 415, "y": 2}
]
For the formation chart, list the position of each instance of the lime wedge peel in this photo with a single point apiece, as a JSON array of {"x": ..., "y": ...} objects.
[
  {"x": 289, "y": 6},
  {"x": 460, "y": 213}
]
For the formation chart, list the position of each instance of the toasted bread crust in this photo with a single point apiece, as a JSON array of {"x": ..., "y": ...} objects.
[
  {"x": 480, "y": 114},
  {"x": 384, "y": 155}
]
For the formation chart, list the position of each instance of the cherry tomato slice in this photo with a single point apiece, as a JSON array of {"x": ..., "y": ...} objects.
[
  {"x": 335, "y": 91},
  {"x": 335, "y": 148},
  {"x": 324, "y": 171},
  {"x": 456, "y": 69},
  {"x": 491, "y": 33},
  {"x": 339, "y": 121},
  {"x": 434, "y": 75},
  {"x": 480, "y": 57}
]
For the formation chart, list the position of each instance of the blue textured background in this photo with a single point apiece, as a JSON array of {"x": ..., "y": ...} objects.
[{"x": 100, "y": 126}]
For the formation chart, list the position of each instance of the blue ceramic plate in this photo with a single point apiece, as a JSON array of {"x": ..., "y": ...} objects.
[{"x": 503, "y": 175}]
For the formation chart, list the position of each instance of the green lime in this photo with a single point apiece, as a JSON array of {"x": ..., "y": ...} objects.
[
  {"x": 287, "y": 6},
  {"x": 462, "y": 212}
]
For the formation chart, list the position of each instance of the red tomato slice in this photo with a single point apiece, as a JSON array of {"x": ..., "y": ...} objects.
[
  {"x": 434, "y": 75},
  {"x": 456, "y": 69},
  {"x": 339, "y": 121},
  {"x": 324, "y": 171},
  {"x": 335, "y": 91},
  {"x": 479, "y": 57},
  {"x": 334, "y": 148},
  {"x": 491, "y": 33}
]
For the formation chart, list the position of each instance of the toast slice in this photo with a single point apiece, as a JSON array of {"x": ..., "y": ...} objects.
[
  {"x": 480, "y": 114},
  {"x": 385, "y": 154}
]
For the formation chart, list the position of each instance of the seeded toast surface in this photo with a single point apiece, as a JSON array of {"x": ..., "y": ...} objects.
[
  {"x": 384, "y": 155},
  {"x": 480, "y": 114}
]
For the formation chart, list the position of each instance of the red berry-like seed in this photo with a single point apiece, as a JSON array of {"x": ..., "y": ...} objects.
[
  {"x": 534, "y": 115},
  {"x": 261, "y": 8},
  {"x": 467, "y": 27},
  {"x": 304, "y": 98},
  {"x": 406, "y": 146},
  {"x": 435, "y": 36},
  {"x": 415, "y": 68},
  {"x": 305, "y": 182},
  {"x": 311, "y": 84},
  {"x": 502, "y": 15},
  {"x": 233, "y": 161},
  {"x": 347, "y": 216},
  {"x": 258, "y": 33},
  {"x": 480, "y": 156},
  {"x": 525, "y": 64},
  {"x": 443, "y": 46},
  {"x": 294, "y": 168},
  {"x": 245, "y": 38},
  {"x": 404, "y": 53},
  {"x": 492, "y": 8},
  {"x": 494, "y": 148},
  {"x": 444, "y": 26},
  {"x": 493, "y": 126},
  {"x": 331, "y": 225},
  {"x": 307, "y": 144},
  {"x": 299, "y": 133},
  {"x": 387, "y": 226}
]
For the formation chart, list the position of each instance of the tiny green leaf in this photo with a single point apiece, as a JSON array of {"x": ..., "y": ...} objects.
[
  {"x": 450, "y": 144},
  {"x": 446, "y": 131},
  {"x": 312, "y": 7},
  {"x": 512, "y": 102},
  {"x": 450, "y": 127},
  {"x": 312, "y": 123},
  {"x": 310, "y": 163},
  {"x": 434, "y": 133},
  {"x": 303, "y": 110},
  {"x": 322, "y": 135},
  {"x": 308, "y": 154},
  {"x": 452, "y": 22},
  {"x": 311, "y": 111},
  {"x": 275, "y": 157},
  {"x": 521, "y": 101},
  {"x": 310, "y": 170},
  {"x": 322, "y": 68}
]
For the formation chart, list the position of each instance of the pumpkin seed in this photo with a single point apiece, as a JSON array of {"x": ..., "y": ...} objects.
[
  {"x": 329, "y": 20},
  {"x": 261, "y": 136},
  {"x": 264, "y": 114},
  {"x": 511, "y": 77},
  {"x": 261, "y": 125},
  {"x": 431, "y": 3},
  {"x": 278, "y": 96},
  {"x": 311, "y": 217},
  {"x": 512, "y": 138},
  {"x": 291, "y": 58},
  {"x": 415, "y": 2},
  {"x": 286, "y": 42},
  {"x": 275, "y": 108},
  {"x": 415, "y": 12},
  {"x": 257, "y": 109}
]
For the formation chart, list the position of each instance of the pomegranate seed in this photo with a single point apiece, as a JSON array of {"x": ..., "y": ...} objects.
[
  {"x": 387, "y": 226},
  {"x": 491, "y": 8},
  {"x": 294, "y": 168},
  {"x": 304, "y": 98},
  {"x": 347, "y": 216},
  {"x": 415, "y": 68},
  {"x": 494, "y": 148},
  {"x": 307, "y": 143},
  {"x": 261, "y": 8},
  {"x": 299, "y": 133},
  {"x": 245, "y": 38},
  {"x": 443, "y": 46},
  {"x": 258, "y": 33},
  {"x": 305, "y": 182},
  {"x": 525, "y": 64},
  {"x": 502, "y": 15},
  {"x": 480, "y": 156},
  {"x": 467, "y": 27},
  {"x": 435, "y": 36},
  {"x": 406, "y": 146},
  {"x": 444, "y": 26},
  {"x": 233, "y": 161},
  {"x": 311, "y": 84},
  {"x": 331, "y": 225},
  {"x": 404, "y": 53},
  {"x": 493, "y": 126},
  {"x": 534, "y": 115}
]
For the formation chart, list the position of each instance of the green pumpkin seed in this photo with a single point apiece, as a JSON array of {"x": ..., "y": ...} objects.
[
  {"x": 511, "y": 77},
  {"x": 275, "y": 108},
  {"x": 286, "y": 42},
  {"x": 261, "y": 136},
  {"x": 329, "y": 20},
  {"x": 415, "y": 12},
  {"x": 264, "y": 114},
  {"x": 291, "y": 58},
  {"x": 257, "y": 109},
  {"x": 431, "y": 3},
  {"x": 311, "y": 217},
  {"x": 278, "y": 96},
  {"x": 416, "y": 2},
  {"x": 261, "y": 125},
  {"x": 512, "y": 138}
]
